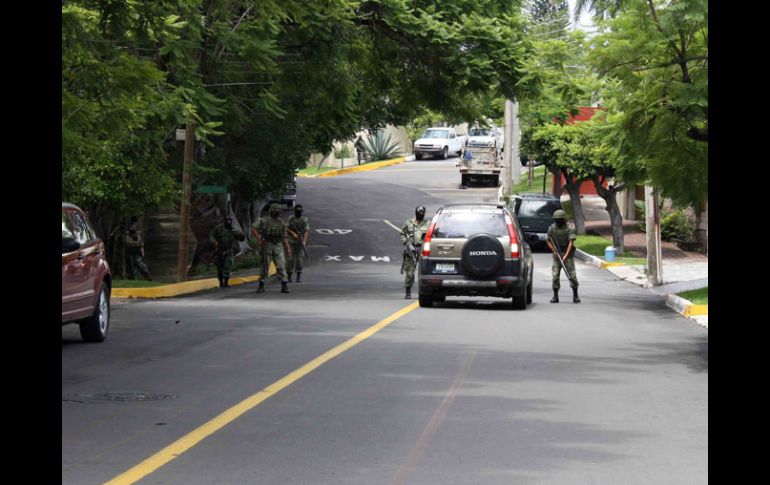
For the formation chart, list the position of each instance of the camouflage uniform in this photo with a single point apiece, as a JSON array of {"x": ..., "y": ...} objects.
[
  {"x": 299, "y": 225},
  {"x": 412, "y": 231},
  {"x": 562, "y": 235},
  {"x": 273, "y": 232},
  {"x": 134, "y": 253},
  {"x": 225, "y": 250}
]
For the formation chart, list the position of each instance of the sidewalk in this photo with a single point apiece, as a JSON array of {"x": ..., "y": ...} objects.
[{"x": 682, "y": 270}]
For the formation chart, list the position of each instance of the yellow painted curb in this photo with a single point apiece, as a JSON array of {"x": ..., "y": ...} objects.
[
  {"x": 605, "y": 264},
  {"x": 693, "y": 310},
  {"x": 358, "y": 168},
  {"x": 176, "y": 289}
]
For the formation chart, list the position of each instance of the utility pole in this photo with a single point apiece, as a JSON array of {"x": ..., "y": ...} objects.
[
  {"x": 652, "y": 221},
  {"x": 507, "y": 130},
  {"x": 511, "y": 164},
  {"x": 184, "y": 211},
  {"x": 515, "y": 159}
]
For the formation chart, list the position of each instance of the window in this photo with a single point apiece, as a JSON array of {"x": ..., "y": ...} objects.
[
  {"x": 480, "y": 132},
  {"x": 66, "y": 230},
  {"x": 466, "y": 224},
  {"x": 436, "y": 134},
  {"x": 82, "y": 233},
  {"x": 539, "y": 208}
]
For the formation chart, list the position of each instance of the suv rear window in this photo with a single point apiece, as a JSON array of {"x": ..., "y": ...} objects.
[
  {"x": 539, "y": 208},
  {"x": 463, "y": 225}
]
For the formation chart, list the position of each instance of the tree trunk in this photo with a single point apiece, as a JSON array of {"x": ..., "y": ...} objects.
[
  {"x": 573, "y": 188},
  {"x": 612, "y": 208},
  {"x": 556, "y": 174}
]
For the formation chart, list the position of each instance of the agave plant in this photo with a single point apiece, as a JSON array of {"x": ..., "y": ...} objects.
[{"x": 380, "y": 147}]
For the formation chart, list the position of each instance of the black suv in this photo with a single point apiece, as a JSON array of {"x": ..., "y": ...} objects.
[
  {"x": 534, "y": 212},
  {"x": 475, "y": 250}
]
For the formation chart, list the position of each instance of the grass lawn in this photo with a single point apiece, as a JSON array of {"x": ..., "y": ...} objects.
[
  {"x": 698, "y": 297},
  {"x": 537, "y": 182},
  {"x": 315, "y": 170},
  {"x": 594, "y": 245},
  {"x": 136, "y": 284}
]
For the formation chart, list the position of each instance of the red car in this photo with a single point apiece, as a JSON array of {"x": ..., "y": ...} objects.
[{"x": 86, "y": 280}]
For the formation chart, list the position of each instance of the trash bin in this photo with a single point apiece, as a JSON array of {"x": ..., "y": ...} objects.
[{"x": 609, "y": 253}]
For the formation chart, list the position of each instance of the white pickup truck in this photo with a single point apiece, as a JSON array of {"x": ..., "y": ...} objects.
[{"x": 438, "y": 141}]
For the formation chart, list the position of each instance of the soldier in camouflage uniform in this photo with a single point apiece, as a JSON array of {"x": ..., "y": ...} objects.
[
  {"x": 565, "y": 238},
  {"x": 413, "y": 232},
  {"x": 223, "y": 239},
  {"x": 135, "y": 253},
  {"x": 271, "y": 233},
  {"x": 299, "y": 230}
]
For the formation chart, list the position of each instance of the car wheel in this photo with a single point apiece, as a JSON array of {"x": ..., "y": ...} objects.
[
  {"x": 444, "y": 153},
  {"x": 289, "y": 204},
  {"x": 426, "y": 301},
  {"x": 520, "y": 302},
  {"x": 495, "y": 180},
  {"x": 464, "y": 180},
  {"x": 95, "y": 327},
  {"x": 529, "y": 292},
  {"x": 418, "y": 156}
]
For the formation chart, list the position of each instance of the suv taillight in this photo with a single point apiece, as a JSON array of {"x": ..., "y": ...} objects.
[
  {"x": 512, "y": 236},
  {"x": 428, "y": 236}
]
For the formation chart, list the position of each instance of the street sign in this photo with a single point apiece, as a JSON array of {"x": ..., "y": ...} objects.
[
  {"x": 180, "y": 135},
  {"x": 211, "y": 189}
]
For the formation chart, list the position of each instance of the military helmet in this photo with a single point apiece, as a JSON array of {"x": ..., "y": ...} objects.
[
  {"x": 420, "y": 208},
  {"x": 559, "y": 214},
  {"x": 275, "y": 208}
]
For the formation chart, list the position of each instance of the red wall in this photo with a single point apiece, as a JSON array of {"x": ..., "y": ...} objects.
[{"x": 586, "y": 113}]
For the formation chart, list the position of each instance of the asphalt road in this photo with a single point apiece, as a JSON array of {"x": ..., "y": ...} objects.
[{"x": 614, "y": 390}]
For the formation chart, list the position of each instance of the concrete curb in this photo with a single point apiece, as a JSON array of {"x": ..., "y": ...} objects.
[
  {"x": 685, "y": 307},
  {"x": 590, "y": 259},
  {"x": 176, "y": 289},
  {"x": 361, "y": 168}
]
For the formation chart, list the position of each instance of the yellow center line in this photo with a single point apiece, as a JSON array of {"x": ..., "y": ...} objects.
[{"x": 186, "y": 442}]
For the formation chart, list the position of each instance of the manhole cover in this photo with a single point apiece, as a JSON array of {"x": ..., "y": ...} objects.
[{"x": 125, "y": 396}]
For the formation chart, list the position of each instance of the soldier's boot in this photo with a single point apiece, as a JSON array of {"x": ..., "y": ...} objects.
[
  {"x": 285, "y": 287},
  {"x": 221, "y": 282},
  {"x": 555, "y": 298},
  {"x": 289, "y": 277},
  {"x": 298, "y": 276},
  {"x": 575, "y": 298},
  {"x": 408, "y": 295},
  {"x": 225, "y": 281},
  {"x": 261, "y": 288}
]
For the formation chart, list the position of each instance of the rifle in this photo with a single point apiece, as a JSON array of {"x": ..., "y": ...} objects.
[
  {"x": 263, "y": 250},
  {"x": 561, "y": 262},
  {"x": 302, "y": 244}
]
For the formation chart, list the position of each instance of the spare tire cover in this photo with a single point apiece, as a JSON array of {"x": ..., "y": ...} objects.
[{"x": 482, "y": 255}]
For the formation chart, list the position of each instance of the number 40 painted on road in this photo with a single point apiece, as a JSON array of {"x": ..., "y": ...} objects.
[{"x": 334, "y": 231}]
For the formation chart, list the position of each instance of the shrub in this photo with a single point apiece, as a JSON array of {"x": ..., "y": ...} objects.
[
  {"x": 342, "y": 152},
  {"x": 676, "y": 225},
  {"x": 380, "y": 147}
]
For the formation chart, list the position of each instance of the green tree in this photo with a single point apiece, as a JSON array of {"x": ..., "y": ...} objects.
[{"x": 654, "y": 57}]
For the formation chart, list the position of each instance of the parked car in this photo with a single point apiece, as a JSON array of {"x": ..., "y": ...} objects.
[
  {"x": 86, "y": 280},
  {"x": 475, "y": 250},
  {"x": 534, "y": 212},
  {"x": 484, "y": 137},
  {"x": 438, "y": 141},
  {"x": 289, "y": 195}
]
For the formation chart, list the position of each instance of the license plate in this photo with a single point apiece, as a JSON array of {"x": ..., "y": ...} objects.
[
  {"x": 445, "y": 268},
  {"x": 542, "y": 237}
]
